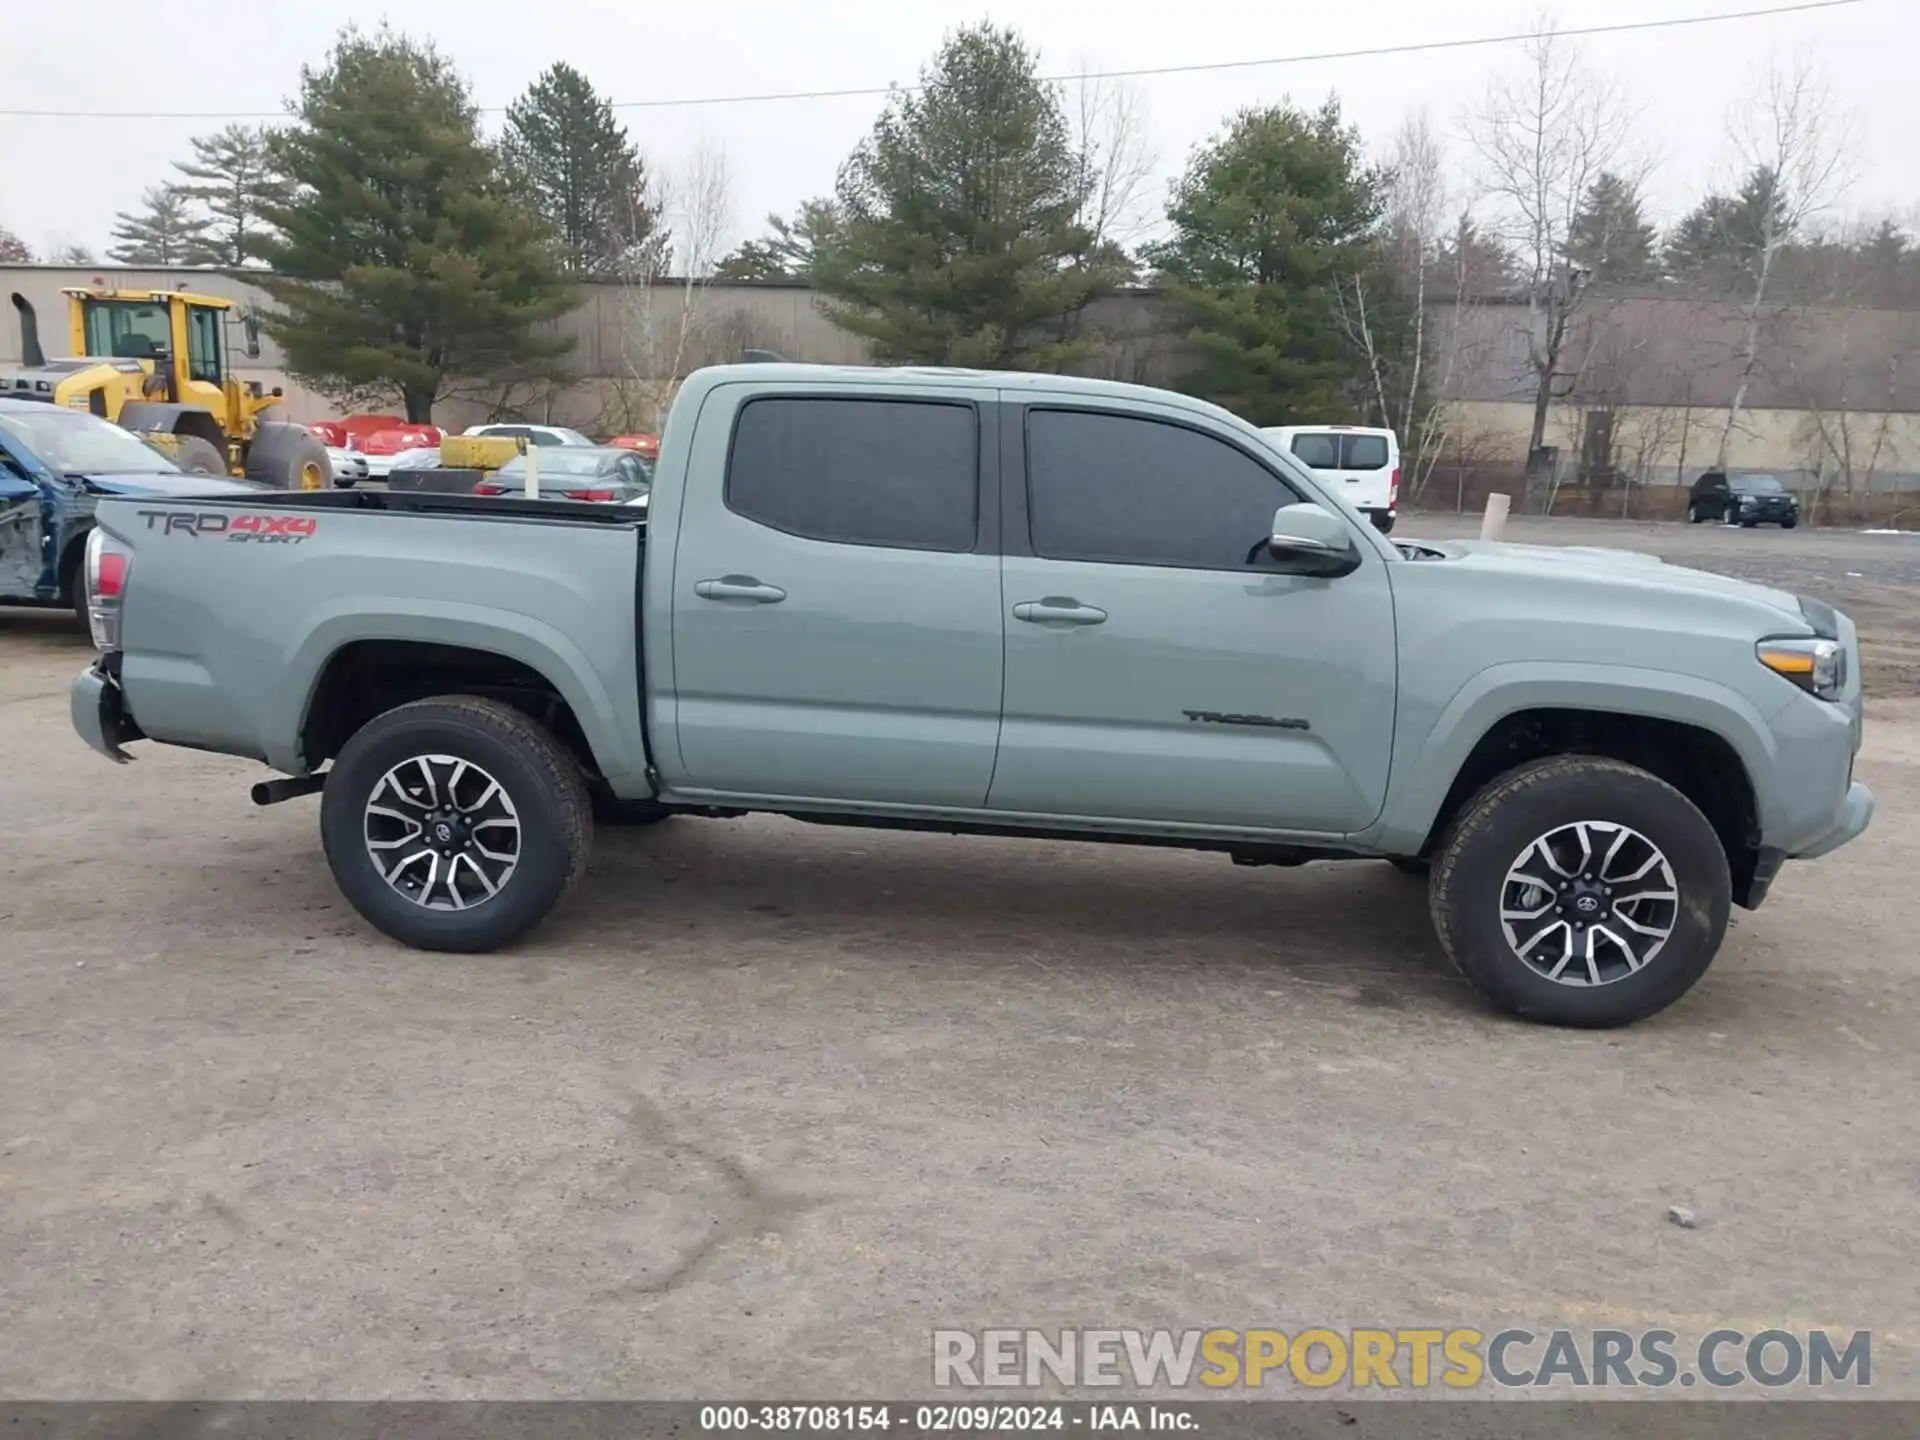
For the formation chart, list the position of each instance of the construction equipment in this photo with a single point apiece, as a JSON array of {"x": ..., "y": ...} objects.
[{"x": 157, "y": 362}]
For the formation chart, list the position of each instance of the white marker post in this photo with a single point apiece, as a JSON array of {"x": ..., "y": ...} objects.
[{"x": 1495, "y": 520}]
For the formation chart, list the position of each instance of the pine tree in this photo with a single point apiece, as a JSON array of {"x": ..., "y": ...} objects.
[
  {"x": 1269, "y": 221},
  {"x": 961, "y": 239},
  {"x": 790, "y": 247},
  {"x": 233, "y": 179},
  {"x": 1610, "y": 236},
  {"x": 400, "y": 257},
  {"x": 13, "y": 250},
  {"x": 1720, "y": 240},
  {"x": 582, "y": 174},
  {"x": 163, "y": 232}
]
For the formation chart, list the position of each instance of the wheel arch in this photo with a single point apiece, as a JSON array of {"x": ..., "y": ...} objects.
[
  {"x": 345, "y": 674},
  {"x": 1706, "y": 741}
]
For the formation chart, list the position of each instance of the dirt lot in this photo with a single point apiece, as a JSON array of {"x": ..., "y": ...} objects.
[{"x": 766, "y": 1102}]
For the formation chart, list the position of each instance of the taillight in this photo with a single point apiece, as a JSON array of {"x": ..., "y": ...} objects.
[
  {"x": 107, "y": 564},
  {"x": 487, "y": 487},
  {"x": 1393, "y": 489},
  {"x": 601, "y": 496}
]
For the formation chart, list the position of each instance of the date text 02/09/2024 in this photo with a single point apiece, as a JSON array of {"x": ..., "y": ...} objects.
[{"x": 943, "y": 1419}]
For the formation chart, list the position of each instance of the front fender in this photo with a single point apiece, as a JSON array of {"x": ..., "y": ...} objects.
[
  {"x": 477, "y": 627},
  {"x": 1427, "y": 760}
]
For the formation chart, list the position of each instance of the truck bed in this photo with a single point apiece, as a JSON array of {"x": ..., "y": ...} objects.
[{"x": 242, "y": 609}]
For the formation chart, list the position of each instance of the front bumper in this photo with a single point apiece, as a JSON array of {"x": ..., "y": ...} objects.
[
  {"x": 1856, "y": 813},
  {"x": 99, "y": 711}
]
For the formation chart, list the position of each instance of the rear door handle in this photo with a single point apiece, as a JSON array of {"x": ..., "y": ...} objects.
[
  {"x": 1058, "y": 610},
  {"x": 739, "y": 587}
]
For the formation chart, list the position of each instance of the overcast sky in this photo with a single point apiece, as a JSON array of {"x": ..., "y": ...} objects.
[{"x": 61, "y": 180}]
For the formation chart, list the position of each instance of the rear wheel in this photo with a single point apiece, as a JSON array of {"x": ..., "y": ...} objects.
[
  {"x": 1581, "y": 891},
  {"x": 455, "y": 823},
  {"x": 1695, "y": 515},
  {"x": 199, "y": 457}
]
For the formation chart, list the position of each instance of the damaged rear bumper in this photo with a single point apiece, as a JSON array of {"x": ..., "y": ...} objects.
[{"x": 99, "y": 709}]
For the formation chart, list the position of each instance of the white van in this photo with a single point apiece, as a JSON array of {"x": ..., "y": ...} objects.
[{"x": 1359, "y": 464}]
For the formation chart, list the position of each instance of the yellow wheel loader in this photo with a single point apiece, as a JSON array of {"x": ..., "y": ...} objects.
[{"x": 157, "y": 362}]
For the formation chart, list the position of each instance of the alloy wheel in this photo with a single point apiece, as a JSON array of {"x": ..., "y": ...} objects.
[
  {"x": 1589, "y": 903},
  {"x": 442, "y": 832}
]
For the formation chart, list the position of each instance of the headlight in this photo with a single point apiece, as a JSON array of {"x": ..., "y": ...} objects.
[{"x": 1818, "y": 667}]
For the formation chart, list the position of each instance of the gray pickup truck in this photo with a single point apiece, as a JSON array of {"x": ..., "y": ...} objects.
[{"x": 998, "y": 604}]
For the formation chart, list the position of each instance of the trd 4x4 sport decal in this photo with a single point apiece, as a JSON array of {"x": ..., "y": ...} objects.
[{"x": 261, "y": 529}]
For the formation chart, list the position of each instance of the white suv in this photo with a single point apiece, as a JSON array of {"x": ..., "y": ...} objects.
[{"x": 1360, "y": 465}]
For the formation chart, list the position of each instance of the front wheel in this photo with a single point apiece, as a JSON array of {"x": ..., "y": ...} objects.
[
  {"x": 1581, "y": 891},
  {"x": 1695, "y": 515},
  {"x": 455, "y": 823},
  {"x": 1788, "y": 524}
]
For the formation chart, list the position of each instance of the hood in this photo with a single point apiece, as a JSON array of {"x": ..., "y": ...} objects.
[
  {"x": 1594, "y": 563},
  {"x": 162, "y": 483}
]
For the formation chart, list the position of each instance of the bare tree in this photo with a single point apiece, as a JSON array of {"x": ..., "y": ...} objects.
[
  {"x": 1545, "y": 132},
  {"x": 660, "y": 317},
  {"x": 1789, "y": 134},
  {"x": 1117, "y": 156},
  {"x": 1410, "y": 398}
]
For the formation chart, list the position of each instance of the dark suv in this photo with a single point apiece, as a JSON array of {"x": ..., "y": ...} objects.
[{"x": 1742, "y": 500}]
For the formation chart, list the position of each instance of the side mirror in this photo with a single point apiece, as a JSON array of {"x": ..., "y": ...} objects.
[{"x": 1308, "y": 539}]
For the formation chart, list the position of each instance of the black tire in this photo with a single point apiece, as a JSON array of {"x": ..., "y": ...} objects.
[
  {"x": 199, "y": 457},
  {"x": 1788, "y": 524},
  {"x": 1500, "y": 823},
  {"x": 1384, "y": 523},
  {"x": 541, "y": 779},
  {"x": 1749, "y": 524},
  {"x": 1695, "y": 515},
  {"x": 611, "y": 810},
  {"x": 288, "y": 457}
]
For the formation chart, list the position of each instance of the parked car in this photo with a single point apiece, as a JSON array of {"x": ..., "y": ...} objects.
[
  {"x": 55, "y": 465},
  {"x": 383, "y": 449},
  {"x": 1360, "y": 465},
  {"x": 349, "y": 466},
  {"x": 596, "y": 473},
  {"x": 1742, "y": 499},
  {"x": 852, "y": 601},
  {"x": 533, "y": 434}
]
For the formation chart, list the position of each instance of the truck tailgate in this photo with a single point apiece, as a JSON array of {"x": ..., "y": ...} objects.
[{"x": 234, "y": 605}]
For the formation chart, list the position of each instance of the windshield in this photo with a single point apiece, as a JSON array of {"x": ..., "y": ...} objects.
[
  {"x": 558, "y": 462},
  {"x": 128, "y": 329},
  {"x": 76, "y": 444},
  {"x": 1757, "y": 484}
]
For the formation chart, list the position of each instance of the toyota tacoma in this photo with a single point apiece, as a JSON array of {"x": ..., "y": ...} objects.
[{"x": 996, "y": 604}]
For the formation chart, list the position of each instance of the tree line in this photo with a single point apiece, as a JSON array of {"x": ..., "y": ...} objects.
[{"x": 989, "y": 209}]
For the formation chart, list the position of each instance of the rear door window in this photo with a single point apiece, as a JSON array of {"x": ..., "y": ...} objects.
[
  {"x": 1363, "y": 452},
  {"x": 904, "y": 474},
  {"x": 1317, "y": 452},
  {"x": 1332, "y": 450}
]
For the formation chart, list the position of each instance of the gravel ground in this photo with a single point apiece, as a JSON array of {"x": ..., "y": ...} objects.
[{"x": 765, "y": 1103}]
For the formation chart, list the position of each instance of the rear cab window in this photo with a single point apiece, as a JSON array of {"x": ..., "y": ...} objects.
[{"x": 896, "y": 473}]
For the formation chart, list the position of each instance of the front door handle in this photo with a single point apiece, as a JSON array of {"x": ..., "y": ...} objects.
[
  {"x": 1058, "y": 610},
  {"x": 739, "y": 587}
]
